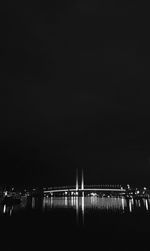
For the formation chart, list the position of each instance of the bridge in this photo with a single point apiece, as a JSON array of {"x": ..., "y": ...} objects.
[{"x": 76, "y": 190}]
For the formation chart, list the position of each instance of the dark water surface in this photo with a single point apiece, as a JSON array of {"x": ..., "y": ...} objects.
[{"x": 101, "y": 223}]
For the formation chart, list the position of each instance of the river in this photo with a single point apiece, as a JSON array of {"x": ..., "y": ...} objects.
[{"x": 106, "y": 220}]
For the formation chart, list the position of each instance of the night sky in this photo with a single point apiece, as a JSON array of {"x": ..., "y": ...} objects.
[{"x": 75, "y": 92}]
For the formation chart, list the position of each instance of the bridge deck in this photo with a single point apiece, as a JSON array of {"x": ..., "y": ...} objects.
[{"x": 85, "y": 189}]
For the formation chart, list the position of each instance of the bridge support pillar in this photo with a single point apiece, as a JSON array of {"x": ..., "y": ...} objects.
[{"x": 77, "y": 183}]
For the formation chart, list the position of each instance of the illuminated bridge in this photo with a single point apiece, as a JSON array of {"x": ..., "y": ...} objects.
[{"x": 76, "y": 190}]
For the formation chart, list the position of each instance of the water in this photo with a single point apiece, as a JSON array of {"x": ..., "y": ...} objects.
[
  {"x": 83, "y": 205},
  {"x": 89, "y": 219}
]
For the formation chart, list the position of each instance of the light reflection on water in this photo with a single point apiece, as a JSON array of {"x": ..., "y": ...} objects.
[
  {"x": 79, "y": 204},
  {"x": 85, "y": 203},
  {"x": 9, "y": 209},
  {"x": 104, "y": 203}
]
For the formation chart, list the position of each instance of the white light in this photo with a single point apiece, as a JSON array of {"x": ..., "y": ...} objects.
[
  {"x": 5, "y": 193},
  {"x": 4, "y": 209},
  {"x": 82, "y": 206},
  {"x": 10, "y": 211},
  {"x": 66, "y": 201},
  {"x": 33, "y": 202},
  {"x": 122, "y": 200},
  {"x": 130, "y": 206},
  {"x": 93, "y": 194},
  {"x": 146, "y": 205},
  {"x": 72, "y": 201}
]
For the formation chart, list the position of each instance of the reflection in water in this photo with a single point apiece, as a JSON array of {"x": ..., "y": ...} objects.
[
  {"x": 66, "y": 201},
  {"x": 123, "y": 203},
  {"x": 10, "y": 209},
  {"x": 83, "y": 206},
  {"x": 33, "y": 202},
  {"x": 146, "y": 204},
  {"x": 130, "y": 205},
  {"x": 4, "y": 209},
  {"x": 80, "y": 204},
  {"x": 77, "y": 209}
]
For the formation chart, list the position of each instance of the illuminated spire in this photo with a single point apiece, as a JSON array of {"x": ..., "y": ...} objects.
[
  {"x": 77, "y": 184},
  {"x": 82, "y": 182}
]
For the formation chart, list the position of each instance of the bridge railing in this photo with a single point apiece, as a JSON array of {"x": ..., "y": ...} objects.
[
  {"x": 60, "y": 187},
  {"x": 86, "y": 187}
]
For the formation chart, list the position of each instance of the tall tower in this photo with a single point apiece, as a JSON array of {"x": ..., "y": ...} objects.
[
  {"x": 82, "y": 181},
  {"x": 77, "y": 184}
]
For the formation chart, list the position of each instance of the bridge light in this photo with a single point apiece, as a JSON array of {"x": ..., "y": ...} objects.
[
  {"x": 93, "y": 194},
  {"x": 5, "y": 193}
]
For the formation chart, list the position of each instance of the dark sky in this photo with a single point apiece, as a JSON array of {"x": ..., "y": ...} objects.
[{"x": 75, "y": 92}]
